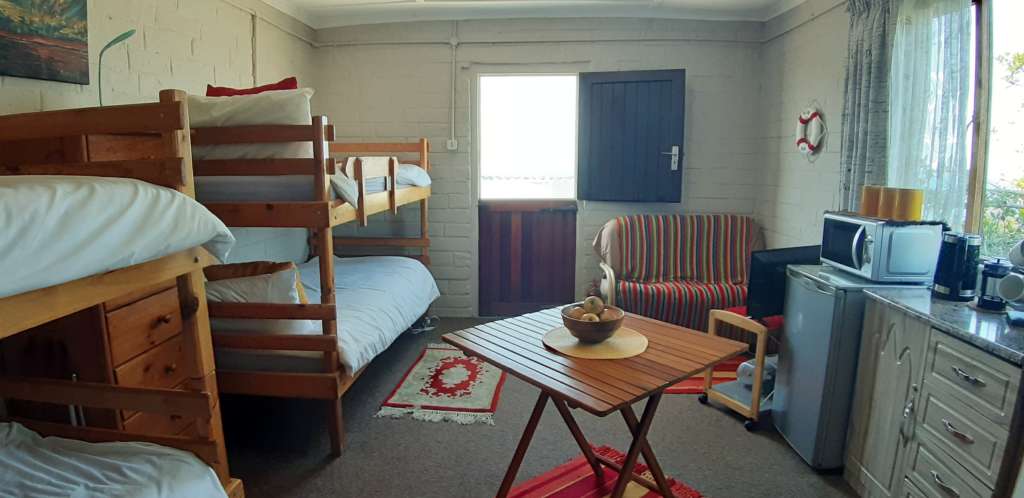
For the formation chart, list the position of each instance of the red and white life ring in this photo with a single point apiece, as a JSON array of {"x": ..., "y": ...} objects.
[{"x": 810, "y": 129}]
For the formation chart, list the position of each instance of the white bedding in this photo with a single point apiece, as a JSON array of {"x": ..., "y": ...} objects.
[
  {"x": 52, "y": 466},
  {"x": 378, "y": 298},
  {"x": 56, "y": 229}
]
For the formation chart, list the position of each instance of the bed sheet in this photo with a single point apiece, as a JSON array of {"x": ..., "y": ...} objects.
[
  {"x": 378, "y": 298},
  {"x": 61, "y": 228},
  {"x": 53, "y": 466}
]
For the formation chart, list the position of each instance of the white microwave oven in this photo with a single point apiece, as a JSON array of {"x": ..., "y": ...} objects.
[{"x": 881, "y": 250}]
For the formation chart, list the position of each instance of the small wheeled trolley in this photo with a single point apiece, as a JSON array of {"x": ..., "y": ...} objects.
[{"x": 747, "y": 401}]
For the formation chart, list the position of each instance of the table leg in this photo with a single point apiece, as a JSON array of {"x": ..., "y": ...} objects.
[
  {"x": 577, "y": 434},
  {"x": 639, "y": 441},
  {"x": 648, "y": 453},
  {"x": 524, "y": 443}
]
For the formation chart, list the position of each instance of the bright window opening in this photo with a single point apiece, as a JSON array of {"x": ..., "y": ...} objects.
[
  {"x": 528, "y": 137},
  {"x": 1003, "y": 216}
]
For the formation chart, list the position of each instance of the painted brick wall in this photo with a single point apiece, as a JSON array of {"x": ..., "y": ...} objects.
[
  {"x": 388, "y": 91},
  {"x": 802, "y": 62}
]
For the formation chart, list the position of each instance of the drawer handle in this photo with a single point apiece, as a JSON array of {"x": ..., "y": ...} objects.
[
  {"x": 168, "y": 318},
  {"x": 950, "y": 428},
  {"x": 970, "y": 379},
  {"x": 942, "y": 484},
  {"x": 169, "y": 369}
]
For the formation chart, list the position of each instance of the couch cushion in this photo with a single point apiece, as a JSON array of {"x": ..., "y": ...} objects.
[
  {"x": 700, "y": 247},
  {"x": 684, "y": 303}
]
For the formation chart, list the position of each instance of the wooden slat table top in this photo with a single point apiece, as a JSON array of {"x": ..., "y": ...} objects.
[{"x": 599, "y": 386}]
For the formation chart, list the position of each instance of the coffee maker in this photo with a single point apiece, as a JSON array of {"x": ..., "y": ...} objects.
[{"x": 956, "y": 274}]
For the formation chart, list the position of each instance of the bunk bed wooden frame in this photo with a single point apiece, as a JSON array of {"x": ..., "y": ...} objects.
[
  {"x": 392, "y": 198},
  {"x": 149, "y": 142},
  {"x": 319, "y": 216}
]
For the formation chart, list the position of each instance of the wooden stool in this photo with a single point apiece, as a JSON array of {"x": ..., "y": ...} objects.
[{"x": 733, "y": 394}]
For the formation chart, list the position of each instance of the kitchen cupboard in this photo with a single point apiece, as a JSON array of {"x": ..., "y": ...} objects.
[{"x": 930, "y": 413}]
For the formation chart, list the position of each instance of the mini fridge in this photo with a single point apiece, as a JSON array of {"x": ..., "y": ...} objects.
[{"x": 820, "y": 343}]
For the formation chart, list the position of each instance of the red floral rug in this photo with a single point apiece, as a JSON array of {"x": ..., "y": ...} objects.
[
  {"x": 445, "y": 385},
  {"x": 723, "y": 372},
  {"x": 574, "y": 479}
]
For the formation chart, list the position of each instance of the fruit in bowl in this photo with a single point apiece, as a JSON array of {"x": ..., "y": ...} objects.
[{"x": 591, "y": 321}]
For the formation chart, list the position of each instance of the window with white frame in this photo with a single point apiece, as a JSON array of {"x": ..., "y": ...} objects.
[{"x": 528, "y": 136}]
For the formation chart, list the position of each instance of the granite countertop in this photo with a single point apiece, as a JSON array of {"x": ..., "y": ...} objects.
[{"x": 988, "y": 331}]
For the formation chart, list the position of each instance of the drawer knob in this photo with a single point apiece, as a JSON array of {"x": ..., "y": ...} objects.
[
  {"x": 968, "y": 378},
  {"x": 171, "y": 368},
  {"x": 950, "y": 428},
  {"x": 943, "y": 486},
  {"x": 168, "y": 318}
]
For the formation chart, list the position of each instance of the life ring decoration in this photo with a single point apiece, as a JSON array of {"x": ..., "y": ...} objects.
[{"x": 810, "y": 129}]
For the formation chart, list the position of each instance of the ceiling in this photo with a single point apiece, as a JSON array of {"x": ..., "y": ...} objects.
[{"x": 331, "y": 13}]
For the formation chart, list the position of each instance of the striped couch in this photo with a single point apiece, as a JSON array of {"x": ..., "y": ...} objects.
[{"x": 676, "y": 268}]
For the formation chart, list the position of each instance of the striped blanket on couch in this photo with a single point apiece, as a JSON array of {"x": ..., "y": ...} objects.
[{"x": 675, "y": 268}]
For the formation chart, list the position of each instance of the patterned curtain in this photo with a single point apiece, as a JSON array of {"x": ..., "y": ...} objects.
[
  {"x": 865, "y": 135},
  {"x": 931, "y": 96}
]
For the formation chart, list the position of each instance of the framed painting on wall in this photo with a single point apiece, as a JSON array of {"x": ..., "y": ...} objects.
[{"x": 45, "y": 39}]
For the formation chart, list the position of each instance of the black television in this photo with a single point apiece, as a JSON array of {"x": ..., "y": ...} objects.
[{"x": 766, "y": 287}]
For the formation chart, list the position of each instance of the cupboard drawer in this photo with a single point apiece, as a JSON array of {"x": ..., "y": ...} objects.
[
  {"x": 131, "y": 297},
  {"x": 160, "y": 367},
  {"x": 985, "y": 383},
  {"x": 143, "y": 324},
  {"x": 154, "y": 423},
  {"x": 935, "y": 474},
  {"x": 973, "y": 441}
]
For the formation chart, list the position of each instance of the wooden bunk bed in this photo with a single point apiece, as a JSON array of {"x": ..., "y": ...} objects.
[
  {"x": 319, "y": 216},
  {"x": 105, "y": 322},
  {"x": 391, "y": 199}
]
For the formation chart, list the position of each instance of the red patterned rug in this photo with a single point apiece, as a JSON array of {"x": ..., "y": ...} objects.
[
  {"x": 444, "y": 385},
  {"x": 723, "y": 372},
  {"x": 574, "y": 479}
]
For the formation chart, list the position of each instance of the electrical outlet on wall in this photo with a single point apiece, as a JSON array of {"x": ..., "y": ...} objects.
[{"x": 452, "y": 144}]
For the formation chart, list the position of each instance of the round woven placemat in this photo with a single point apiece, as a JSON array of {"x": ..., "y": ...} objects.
[{"x": 625, "y": 343}]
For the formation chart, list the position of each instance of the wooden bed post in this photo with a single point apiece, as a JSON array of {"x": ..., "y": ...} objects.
[
  {"x": 424, "y": 225},
  {"x": 199, "y": 363},
  {"x": 325, "y": 250}
]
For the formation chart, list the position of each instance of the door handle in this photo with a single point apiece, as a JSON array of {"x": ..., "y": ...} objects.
[
  {"x": 950, "y": 490},
  {"x": 968, "y": 378},
  {"x": 675, "y": 157},
  {"x": 950, "y": 428}
]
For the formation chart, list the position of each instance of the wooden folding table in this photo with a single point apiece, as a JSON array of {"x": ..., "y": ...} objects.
[{"x": 597, "y": 386}]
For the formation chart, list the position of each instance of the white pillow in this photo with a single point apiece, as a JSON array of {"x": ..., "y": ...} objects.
[
  {"x": 279, "y": 107},
  {"x": 410, "y": 174},
  {"x": 277, "y": 287}
]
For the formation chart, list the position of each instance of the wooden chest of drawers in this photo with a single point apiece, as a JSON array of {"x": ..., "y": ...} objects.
[{"x": 135, "y": 340}]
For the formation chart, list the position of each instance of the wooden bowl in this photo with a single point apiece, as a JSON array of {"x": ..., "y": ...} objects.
[{"x": 592, "y": 332}]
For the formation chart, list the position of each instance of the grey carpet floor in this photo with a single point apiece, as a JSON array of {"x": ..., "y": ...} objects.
[{"x": 279, "y": 447}]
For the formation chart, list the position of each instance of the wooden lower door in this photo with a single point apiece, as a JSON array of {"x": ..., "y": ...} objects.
[{"x": 527, "y": 255}]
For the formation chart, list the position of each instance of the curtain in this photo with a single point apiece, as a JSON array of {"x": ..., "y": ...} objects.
[
  {"x": 865, "y": 133},
  {"x": 931, "y": 103}
]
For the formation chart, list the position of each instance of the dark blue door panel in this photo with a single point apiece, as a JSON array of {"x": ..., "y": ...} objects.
[{"x": 627, "y": 121}]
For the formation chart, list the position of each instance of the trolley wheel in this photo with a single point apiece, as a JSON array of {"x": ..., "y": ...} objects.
[
  {"x": 703, "y": 398},
  {"x": 749, "y": 425}
]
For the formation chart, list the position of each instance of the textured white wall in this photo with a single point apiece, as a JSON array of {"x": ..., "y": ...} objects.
[
  {"x": 802, "y": 62},
  {"x": 182, "y": 44},
  {"x": 384, "y": 83}
]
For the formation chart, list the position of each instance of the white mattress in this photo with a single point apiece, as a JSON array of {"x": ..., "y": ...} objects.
[
  {"x": 52, "y": 466},
  {"x": 56, "y": 229},
  {"x": 378, "y": 298}
]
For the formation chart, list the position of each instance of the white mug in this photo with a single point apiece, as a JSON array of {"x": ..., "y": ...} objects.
[
  {"x": 1011, "y": 287},
  {"x": 1017, "y": 254}
]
